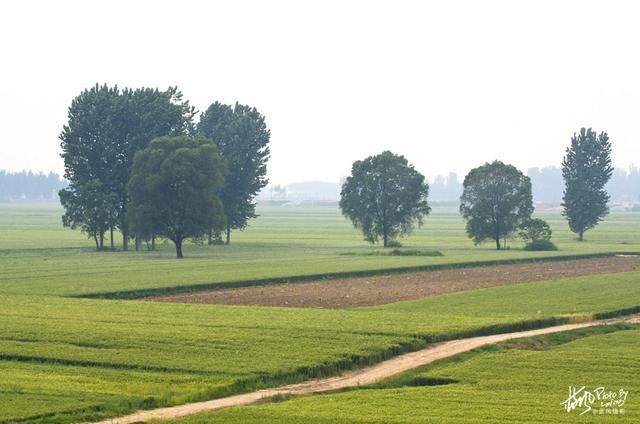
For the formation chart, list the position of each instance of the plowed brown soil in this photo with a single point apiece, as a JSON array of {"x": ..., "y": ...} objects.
[{"x": 377, "y": 290}]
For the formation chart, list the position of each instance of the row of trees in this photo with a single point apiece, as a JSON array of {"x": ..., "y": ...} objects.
[
  {"x": 28, "y": 185},
  {"x": 386, "y": 197},
  {"x": 548, "y": 184},
  {"x": 108, "y": 126}
]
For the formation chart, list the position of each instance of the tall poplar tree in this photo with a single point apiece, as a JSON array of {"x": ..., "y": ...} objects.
[
  {"x": 586, "y": 169},
  {"x": 242, "y": 137},
  {"x": 88, "y": 141}
]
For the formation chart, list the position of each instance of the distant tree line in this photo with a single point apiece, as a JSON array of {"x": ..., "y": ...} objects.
[
  {"x": 445, "y": 188},
  {"x": 547, "y": 187},
  {"x": 548, "y": 184},
  {"x": 110, "y": 133},
  {"x": 386, "y": 198},
  {"x": 28, "y": 185}
]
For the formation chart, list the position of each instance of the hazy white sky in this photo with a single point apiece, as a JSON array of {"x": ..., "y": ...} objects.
[{"x": 449, "y": 84}]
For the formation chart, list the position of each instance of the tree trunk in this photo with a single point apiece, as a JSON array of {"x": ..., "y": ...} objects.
[
  {"x": 385, "y": 239},
  {"x": 210, "y": 242},
  {"x": 178, "y": 243},
  {"x": 498, "y": 242},
  {"x": 101, "y": 240},
  {"x": 153, "y": 242},
  {"x": 581, "y": 235},
  {"x": 125, "y": 239},
  {"x": 111, "y": 237},
  {"x": 138, "y": 242},
  {"x": 228, "y": 234},
  {"x": 124, "y": 227},
  {"x": 95, "y": 238}
]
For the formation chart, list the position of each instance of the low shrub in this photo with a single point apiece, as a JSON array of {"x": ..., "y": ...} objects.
[
  {"x": 540, "y": 245},
  {"x": 415, "y": 252},
  {"x": 395, "y": 252}
]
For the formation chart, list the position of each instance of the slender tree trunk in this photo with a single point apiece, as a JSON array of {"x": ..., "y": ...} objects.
[
  {"x": 498, "y": 242},
  {"x": 178, "y": 243},
  {"x": 124, "y": 226},
  {"x": 153, "y": 242},
  {"x": 101, "y": 240},
  {"x": 210, "y": 237},
  {"x": 95, "y": 238},
  {"x": 385, "y": 239},
  {"x": 111, "y": 237},
  {"x": 138, "y": 242},
  {"x": 228, "y": 234},
  {"x": 125, "y": 239}
]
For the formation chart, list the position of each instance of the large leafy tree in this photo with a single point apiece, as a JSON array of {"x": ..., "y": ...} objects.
[
  {"x": 106, "y": 126},
  {"x": 242, "y": 137},
  {"x": 496, "y": 200},
  {"x": 88, "y": 150},
  {"x": 173, "y": 188},
  {"x": 148, "y": 113},
  {"x": 385, "y": 197},
  {"x": 586, "y": 169}
]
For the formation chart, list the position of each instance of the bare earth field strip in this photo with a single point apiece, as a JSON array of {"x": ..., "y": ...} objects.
[
  {"x": 356, "y": 378},
  {"x": 378, "y": 290}
]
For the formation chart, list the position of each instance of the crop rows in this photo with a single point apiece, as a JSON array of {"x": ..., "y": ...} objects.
[
  {"x": 522, "y": 384},
  {"x": 128, "y": 354}
]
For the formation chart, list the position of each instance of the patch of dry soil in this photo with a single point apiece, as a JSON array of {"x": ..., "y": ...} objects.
[{"x": 377, "y": 290}]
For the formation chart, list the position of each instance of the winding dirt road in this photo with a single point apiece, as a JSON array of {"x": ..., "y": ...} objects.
[{"x": 355, "y": 378}]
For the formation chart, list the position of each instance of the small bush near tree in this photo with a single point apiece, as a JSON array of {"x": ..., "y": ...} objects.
[{"x": 536, "y": 235}]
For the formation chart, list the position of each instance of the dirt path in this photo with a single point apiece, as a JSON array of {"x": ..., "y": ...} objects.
[
  {"x": 356, "y": 378},
  {"x": 377, "y": 290}
]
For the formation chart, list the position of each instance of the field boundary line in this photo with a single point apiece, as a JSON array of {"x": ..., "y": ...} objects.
[
  {"x": 360, "y": 377},
  {"x": 160, "y": 291}
]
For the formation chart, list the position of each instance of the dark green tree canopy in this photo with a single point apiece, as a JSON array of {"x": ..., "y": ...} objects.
[
  {"x": 105, "y": 127},
  {"x": 173, "y": 188},
  {"x": 536, "y": 235},
  {"x": 535, "y": 230},
  {"x": 88, "y": 207},
  {"x": 586, "y": 169},
  {"x": 242, "y": 137},
  {"x": 495, "y": 201},
  {"x": 385, "y": 197},
  {"x": 89, "y": 157}
]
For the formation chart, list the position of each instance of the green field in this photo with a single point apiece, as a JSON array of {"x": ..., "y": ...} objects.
[
  {"x": 512, "y": 383},
  {"x": 67, "y": 359},
  {"x": 113, "y": 356},
  {"x": 38, "y": 256}
]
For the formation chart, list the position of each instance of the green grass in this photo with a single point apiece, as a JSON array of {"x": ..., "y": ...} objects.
[
  {"x": 523, "y": 382},
  {"x": 38, "y": 256},
  {"x": 125, "y": 354},
  {"x": 65, "y": 359}
]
